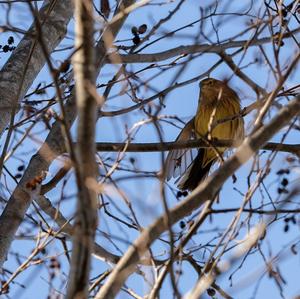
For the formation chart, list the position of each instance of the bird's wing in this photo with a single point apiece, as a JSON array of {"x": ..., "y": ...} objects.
[{"x": 178, "y": 161}]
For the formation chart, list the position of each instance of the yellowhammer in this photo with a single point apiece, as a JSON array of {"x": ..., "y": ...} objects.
[{"x": 217, "y": 102}]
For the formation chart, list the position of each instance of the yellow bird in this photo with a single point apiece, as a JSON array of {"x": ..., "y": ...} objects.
[{"x": 217, "y": 102}]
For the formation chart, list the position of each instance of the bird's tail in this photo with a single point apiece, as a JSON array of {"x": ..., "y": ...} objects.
[{"x": 195, "y": 173}]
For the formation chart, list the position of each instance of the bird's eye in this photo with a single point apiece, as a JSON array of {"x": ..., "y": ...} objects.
[{"x": 207, "y": 82}]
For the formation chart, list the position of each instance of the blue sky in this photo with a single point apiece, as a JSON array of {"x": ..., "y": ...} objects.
[{"x": 144, "y": 192}]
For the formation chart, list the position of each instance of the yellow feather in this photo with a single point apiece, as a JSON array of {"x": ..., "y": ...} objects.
[
  {"x": 224, "y": 103},
  {"x": 217, "y": 102}
]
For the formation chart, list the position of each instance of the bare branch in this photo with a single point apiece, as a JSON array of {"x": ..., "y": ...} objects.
[
  {"x": 53, "y": 146},
  {"x": 167, "y": 146},
  {"x": 191, "y": 49},
  {"x": 86, "y": 214},
  {"x": 206, "y": 191}
]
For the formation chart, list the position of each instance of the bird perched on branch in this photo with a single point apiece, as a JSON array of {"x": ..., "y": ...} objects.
[{"x": 217, "y": 106}]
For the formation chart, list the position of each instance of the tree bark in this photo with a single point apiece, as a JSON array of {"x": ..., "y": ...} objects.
[
  {"x": 27, "y": 60},
  {"x": 19, "y": 202},
  {"x": 85, "y": 164}
]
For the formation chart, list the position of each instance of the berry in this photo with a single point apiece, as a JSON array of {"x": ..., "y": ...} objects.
[
  {"x": 10, "y": 40},
  {"x": 142, "y": 29},
  {"x": 134, "y": 30},
  {"x": 136, "y": 40}
]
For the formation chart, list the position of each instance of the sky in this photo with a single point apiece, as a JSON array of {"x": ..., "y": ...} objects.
[{"x": 144, "y": 192}]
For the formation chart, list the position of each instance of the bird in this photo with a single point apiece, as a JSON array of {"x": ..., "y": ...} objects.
[{"x": 218, "y": 103}]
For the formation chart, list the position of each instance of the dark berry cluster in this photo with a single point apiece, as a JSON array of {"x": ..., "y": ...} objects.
[
  {"x": 284, "y": 181},
  {"x": 182, "y": 193},
  {"x": 8, "y": 47},
  {"x": 287, "y": 221},
  {"x": 20, "y": 171},
  {"x": 137, "y": 32}
]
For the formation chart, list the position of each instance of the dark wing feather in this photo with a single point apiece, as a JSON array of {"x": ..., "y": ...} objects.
[
  {"x": 178, "y": 161},
  {"x": 195, "y": 173}
]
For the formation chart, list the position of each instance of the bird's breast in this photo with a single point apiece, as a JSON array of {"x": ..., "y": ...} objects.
[{"x": 208, "y": 115}]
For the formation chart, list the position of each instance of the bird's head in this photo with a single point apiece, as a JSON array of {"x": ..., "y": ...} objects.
[{"x": 213, "y": 90}]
